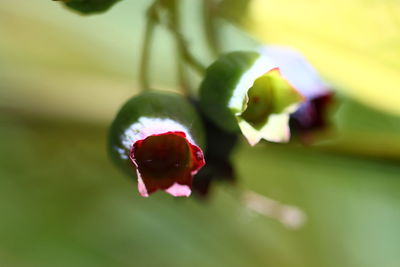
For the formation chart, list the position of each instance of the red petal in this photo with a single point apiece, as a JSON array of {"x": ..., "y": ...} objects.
[{"x": 166, "y": 161}]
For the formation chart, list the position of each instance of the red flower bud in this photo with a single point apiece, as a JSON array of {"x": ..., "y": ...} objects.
[
  {"x": 166, "y": 161},
  {"x": 154, "y": 136}
]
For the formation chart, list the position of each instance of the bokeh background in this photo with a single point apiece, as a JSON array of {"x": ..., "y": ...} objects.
[{"x": 63, "y": 76}]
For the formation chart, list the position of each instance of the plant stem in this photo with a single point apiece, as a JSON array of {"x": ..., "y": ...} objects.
[
  {"x": 184, "y": 55},
  {"x": 210, "y": 27},
  {"x": 174, "y": 26},
  {"x": 146, "y": 47},
  {"x": 188, "y": 57}
]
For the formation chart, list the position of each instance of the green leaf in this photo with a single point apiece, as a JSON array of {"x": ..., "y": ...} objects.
[{"x": 90, "y": 6}]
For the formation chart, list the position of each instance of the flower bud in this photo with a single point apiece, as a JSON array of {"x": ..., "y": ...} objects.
[
  {"x": 312, "y": 113},
  {"x": 158, "y": 136},
  {"x": 245, "y": 91}
]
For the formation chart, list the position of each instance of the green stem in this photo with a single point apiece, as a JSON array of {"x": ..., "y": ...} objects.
[
  {"x": 174, "y": 26},
  {"x": 210, "y": 29},
  {"x": 187, "y": 56},
  {"x": 146, "y": 47},
  {"x": 184, "y": 55}
]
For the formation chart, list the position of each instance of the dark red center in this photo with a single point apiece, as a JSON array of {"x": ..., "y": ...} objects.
[{"x": 163, "y": 156}]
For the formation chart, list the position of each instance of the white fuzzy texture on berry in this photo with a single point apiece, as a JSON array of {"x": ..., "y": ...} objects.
[
  {"x": 145, "y": 127},
  {"x": 261, "y": 66}
]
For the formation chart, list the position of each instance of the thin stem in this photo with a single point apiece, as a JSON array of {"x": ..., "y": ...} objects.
[
  {"x": 210, "y": 29},
  {"x": 188, "y": 57},
  {"x": 174, "y": 26},
  {"x": 182, "y": 77},
  {"x": 184, "y": 55},
  {"x": 146, "y": 47}
]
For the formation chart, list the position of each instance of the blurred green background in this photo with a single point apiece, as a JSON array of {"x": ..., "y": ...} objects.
[{"x": 63, "y": 77}]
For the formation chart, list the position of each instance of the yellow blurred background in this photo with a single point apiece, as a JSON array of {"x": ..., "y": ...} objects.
[{"x": 355, "y": 44}]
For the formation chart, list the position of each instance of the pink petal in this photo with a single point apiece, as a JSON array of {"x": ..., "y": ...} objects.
[
  {"x": 141, "y": 186},
  {"x": 178, "y": 190}
]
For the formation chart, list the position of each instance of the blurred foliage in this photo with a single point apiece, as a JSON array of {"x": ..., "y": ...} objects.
[
  {"x": 233, "y": 10},
  {"x": 62, "y": 203}
]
